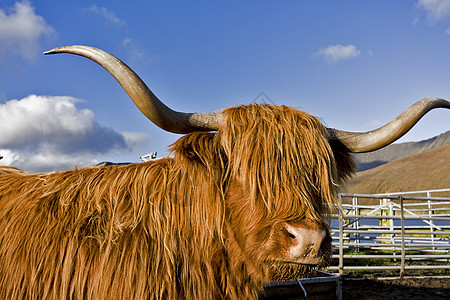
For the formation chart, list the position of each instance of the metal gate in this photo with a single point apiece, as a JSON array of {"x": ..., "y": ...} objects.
[{"x": 410, "y": 232}]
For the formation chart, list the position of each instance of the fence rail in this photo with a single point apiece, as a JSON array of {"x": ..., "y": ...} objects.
[{"x": 398, "y": 227}]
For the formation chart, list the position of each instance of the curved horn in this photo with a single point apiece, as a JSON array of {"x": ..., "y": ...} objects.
[
  {"x": 142, "y": 96},
  {"x": 358, "y": 142}
]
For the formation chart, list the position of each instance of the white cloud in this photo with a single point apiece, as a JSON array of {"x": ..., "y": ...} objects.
[
  {"x": 21, "y": 30},
  {"x": 335, "y": 53},
  {"x": 106, "y": 14},
  {"x": 43, "y": 133},
  {"x": 136, "y": 54},
  {"x": 137, "y": 140},
  {"x": 436, "y": 9}
]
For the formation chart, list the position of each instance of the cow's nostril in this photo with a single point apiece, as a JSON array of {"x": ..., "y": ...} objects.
[{"x": 289, "y": 234}]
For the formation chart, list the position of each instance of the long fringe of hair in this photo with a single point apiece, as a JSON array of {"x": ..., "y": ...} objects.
[
  {"x": 161, "y": 230},
  {"x": 280, "y": 153}
]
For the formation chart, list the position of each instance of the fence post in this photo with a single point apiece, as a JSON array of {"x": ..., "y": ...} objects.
[
  {"x": 356, "y": 223},
  {"x": 430, "y": 214},
  {"x": 391, "y": 226},
  {"x": 341, "y": 238},
  {"x": 402, "y": 268},
  {"x": 384, "y": 211}
]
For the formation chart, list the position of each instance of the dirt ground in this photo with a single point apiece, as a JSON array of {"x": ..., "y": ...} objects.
[
  {"x": 407, "y": 288},
  {"x": 416, "y": 285}
]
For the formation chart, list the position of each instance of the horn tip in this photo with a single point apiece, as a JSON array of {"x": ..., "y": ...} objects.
[
  {"x": 53, "y": 51},
  {"x": 65, "y": 49}
]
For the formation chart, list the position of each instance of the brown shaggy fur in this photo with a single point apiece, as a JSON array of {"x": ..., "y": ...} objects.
[{"x": 196, "y": 226}]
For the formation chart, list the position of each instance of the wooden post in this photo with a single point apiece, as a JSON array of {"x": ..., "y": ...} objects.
[{"x": 430, "y": 214}]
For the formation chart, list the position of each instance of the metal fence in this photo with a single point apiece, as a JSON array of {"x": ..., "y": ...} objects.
[{"x": 409, "y": 232}]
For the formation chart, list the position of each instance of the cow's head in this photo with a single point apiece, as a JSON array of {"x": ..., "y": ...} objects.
[
  {"x": 281, "y": 167},
  {"x": 283, "y": 181}
]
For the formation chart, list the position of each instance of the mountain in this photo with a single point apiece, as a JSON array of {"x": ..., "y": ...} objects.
[
  {"x": 393, "y": 152},
  {"x": 422, "y": 171}
]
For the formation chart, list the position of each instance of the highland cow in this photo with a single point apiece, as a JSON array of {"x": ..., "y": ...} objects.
[{"x": 243, "y": 200}]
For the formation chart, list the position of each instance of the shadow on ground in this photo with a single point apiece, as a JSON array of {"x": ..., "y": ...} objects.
[{"x": 408, "y": 288}]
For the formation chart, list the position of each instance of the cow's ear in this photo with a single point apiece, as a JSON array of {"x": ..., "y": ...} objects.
[
  {"x": 196, "y": 146},
  {"x": 345, "y": 163}
]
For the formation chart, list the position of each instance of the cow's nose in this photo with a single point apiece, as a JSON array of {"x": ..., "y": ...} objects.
[{"x": 305, "y": 244}]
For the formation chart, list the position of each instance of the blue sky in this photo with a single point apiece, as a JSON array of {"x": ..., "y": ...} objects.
[{"x": 354, "y": 64}]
